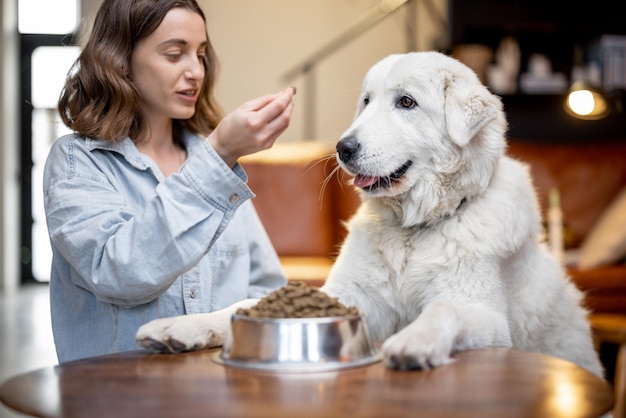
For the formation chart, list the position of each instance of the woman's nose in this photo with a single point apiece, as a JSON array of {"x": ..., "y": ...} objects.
[{"x": 195, "y": 69}]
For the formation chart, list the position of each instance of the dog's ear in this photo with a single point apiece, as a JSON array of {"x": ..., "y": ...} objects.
[{"x": 468, "y": 108}]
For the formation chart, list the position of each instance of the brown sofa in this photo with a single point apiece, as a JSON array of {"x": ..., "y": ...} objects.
[
  {"x": 301, "y": 205},
  {"x": 589, "y": 177},
  {"x": 303, "y": 212}
]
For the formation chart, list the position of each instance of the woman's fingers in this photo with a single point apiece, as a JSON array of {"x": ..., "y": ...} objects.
[
  {"x": 253, "y": 126},
  {"x": 280, "y": 122},
  {"x": 271, "y": 117},
  {"x": 275, "y": 107},
  {"x": 261, "y": 102}
]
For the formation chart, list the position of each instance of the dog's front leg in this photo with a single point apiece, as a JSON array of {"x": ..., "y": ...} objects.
[
  {"x": 442, "y": 329},
  {"x": 189, "y": 332}
]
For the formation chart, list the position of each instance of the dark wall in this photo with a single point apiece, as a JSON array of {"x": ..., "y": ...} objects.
[{"x": 558, "y": 29}]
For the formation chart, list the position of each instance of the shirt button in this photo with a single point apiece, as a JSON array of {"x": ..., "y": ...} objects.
[
  {"x": 192, "y": 293},
  {"x": 234, "y": 198}
]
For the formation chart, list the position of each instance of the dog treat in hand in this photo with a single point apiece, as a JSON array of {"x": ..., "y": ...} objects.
[{"x": 297, "y": 300}]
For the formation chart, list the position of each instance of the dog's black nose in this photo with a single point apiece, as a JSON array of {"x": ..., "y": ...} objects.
[{"x": 347, "y": 147}]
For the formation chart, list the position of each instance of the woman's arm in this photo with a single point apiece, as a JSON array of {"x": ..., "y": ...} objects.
[{"x": 126, "y": 235}]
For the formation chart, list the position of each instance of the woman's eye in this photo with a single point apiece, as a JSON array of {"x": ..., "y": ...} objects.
[
  {"x": 406, "y": 102},
  {"x": 173, "y": 56}
]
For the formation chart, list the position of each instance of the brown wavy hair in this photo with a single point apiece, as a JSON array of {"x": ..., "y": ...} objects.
[{"x": 99, "y": 99}]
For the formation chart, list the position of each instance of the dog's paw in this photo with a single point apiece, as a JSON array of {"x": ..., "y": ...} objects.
[
  {"x": 182, "y": 333},
  {"x": 416, "y": 349}
]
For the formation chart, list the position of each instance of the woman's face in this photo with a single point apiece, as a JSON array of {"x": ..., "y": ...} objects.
[{"x": 167, "y": 67}]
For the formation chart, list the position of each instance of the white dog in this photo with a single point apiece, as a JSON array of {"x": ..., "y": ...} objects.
[{"x": 445, "y": 253}]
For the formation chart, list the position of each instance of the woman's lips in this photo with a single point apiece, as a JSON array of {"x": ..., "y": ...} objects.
[{"x": 190, "y": 96}]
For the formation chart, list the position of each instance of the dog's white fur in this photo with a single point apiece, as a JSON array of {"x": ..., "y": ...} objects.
[{"x": 445, "y": 253}]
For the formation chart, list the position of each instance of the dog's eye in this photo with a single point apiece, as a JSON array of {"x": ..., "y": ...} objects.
[
  {"x": 406, "y": 102},
  {"x": 366, "y": 100}
]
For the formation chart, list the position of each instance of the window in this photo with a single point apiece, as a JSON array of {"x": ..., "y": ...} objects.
[
  {"x": 48, "y": 17},
  {"x": 49, "y": 67},
  {"x": 45, "y": 28}
]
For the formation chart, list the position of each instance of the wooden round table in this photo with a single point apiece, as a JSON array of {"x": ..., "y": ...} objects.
[{"x": 490, "y": 382}]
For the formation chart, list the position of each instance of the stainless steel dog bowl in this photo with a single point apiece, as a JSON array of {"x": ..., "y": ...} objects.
[{"x": 297, "y": 344}]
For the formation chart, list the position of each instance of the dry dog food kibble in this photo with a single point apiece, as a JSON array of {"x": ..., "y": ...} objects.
[{"x": 297, "y": 300}]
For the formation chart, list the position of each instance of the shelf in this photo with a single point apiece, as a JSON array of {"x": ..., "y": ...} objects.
[
  {"x": 542, "y": 118},
  {"x": 556, "y": 29}
]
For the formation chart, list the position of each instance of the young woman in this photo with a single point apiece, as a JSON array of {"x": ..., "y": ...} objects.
[{"x": 147, "y": 209}]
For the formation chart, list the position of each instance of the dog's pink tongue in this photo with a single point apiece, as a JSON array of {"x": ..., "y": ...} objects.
[{"x": 364, "y": 181}]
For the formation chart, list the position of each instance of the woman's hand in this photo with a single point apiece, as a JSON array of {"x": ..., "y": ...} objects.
[{"x": 253, "y": 126}]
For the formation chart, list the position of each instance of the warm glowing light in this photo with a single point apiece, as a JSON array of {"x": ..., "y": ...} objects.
[
  {"x": 581, "y": 102},
  {"x": 584, "y": 103},
  {"x": 567, "y": 398}
]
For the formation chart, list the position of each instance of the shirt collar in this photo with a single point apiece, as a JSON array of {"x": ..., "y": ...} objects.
[{"x": 129, "y": 151}]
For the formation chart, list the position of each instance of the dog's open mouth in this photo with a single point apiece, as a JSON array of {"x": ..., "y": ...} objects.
[{"x": 370, "y": 183}]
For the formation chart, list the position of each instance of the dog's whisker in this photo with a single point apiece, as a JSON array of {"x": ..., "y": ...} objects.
[
  {"x": 325, "y": 159},
  {"x": 341, "y": 178},
  {"x": 325, "y": 182},
  {"x": 329, "y": 158}
]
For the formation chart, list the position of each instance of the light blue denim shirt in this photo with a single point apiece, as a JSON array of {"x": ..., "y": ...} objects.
[{"x": 130, "y": 245}]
